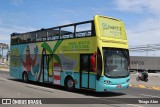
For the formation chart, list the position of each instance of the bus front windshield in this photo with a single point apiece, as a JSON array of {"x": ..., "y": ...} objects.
[{"x": 116, "y": 62}]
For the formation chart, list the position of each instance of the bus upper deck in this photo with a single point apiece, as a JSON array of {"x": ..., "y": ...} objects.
[
  {"x": 109, "y": 30},
  {"x": 75, "y": 30}
]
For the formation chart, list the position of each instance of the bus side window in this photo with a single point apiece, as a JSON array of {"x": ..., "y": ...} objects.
[
  {"x": 25, "y": 36},
  {"x": 21, "y": 38},
  {"x": 85, "y": 63},
  {"x": 28, "y": 37},
  {"x": 41, "y": 35},
  {"x": 93, "y": 32},
  {"x": 67, "y": 32},
  {"x": 33, "y": 36},
  {"x": 14, "y": 40},
  {"x": 83, "y": 30},
  {"x": 53, "y": 34}
]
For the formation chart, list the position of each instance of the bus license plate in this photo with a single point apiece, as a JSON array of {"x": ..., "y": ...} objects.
[{"x": 118, "y": 86}]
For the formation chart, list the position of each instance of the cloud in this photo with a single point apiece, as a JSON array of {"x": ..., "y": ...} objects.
[
  {"x": 138, "y": 6},
  {"x": 153, "y": 5},
  {"x": 146, "y": 32},
  {"x": 5, "y": 32},
  {"x": 4, "y": 38},
  {"x": 19, "y": 29}
]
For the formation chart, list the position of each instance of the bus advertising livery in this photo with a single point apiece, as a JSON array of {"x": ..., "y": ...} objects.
[{"x": 85, "y": 55}]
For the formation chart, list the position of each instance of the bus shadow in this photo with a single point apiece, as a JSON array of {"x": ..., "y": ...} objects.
[
  {"x": 77, "y": 91},
  {"x": 99, "y": 94}
]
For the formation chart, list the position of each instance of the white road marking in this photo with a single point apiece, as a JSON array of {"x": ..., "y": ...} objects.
[
  {"x": 2, "y": 79},
  {"x": 28, "y": 85},
  {"x": 150, "y": 95},
  {"x": 40, "y": 88},
  {"x": 135, "y": 105}
]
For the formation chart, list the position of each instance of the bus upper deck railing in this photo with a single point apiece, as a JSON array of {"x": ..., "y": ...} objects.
[{"x": 76, "y": 30}]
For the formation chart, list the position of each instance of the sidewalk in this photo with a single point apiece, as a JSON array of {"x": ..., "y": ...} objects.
[
  {"x": 153, "y": 79},
  {"x": 4, "y": 68}
]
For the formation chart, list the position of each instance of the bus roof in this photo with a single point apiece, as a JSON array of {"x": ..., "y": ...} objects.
[{"x": 107, "y": 17}]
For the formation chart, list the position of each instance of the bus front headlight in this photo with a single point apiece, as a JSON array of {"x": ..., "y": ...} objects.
[{"x": 107, "y": 82}]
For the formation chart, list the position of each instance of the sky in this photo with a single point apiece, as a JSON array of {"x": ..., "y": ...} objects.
[{"x": 141, "y": 17}]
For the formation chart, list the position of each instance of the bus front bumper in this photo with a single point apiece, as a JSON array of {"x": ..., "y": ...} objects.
[{"x": 109, "y": 87}]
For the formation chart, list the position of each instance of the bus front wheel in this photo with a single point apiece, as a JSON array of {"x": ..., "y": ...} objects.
[
  {"x": 69, "y": 84},
  {"x": 25, "y": 77}
]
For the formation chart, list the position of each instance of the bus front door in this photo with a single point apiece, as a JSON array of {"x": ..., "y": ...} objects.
[{"x": 87, "y": 79}]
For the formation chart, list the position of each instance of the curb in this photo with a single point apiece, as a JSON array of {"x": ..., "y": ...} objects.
[
  {"x": 5, "y": 70},
  {"x": 145, "y": 86}
]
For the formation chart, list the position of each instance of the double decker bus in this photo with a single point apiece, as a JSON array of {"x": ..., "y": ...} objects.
[{"x": 86, "y": 55}]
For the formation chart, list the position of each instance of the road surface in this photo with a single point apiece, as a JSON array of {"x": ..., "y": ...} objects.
[{"x": 11, "y": 88}]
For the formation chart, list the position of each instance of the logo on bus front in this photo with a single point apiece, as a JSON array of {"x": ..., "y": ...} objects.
[
  {"x": 111, "y": 30},
  {"x": 106, "y": 26}
]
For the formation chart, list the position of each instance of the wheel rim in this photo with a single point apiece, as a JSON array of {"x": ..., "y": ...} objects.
[{"x": 70, "y": 83}]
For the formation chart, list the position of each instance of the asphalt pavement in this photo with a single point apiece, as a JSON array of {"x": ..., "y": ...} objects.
[
  {"x": 11, "y": 88},
  {"x": 153, "y": 79}
]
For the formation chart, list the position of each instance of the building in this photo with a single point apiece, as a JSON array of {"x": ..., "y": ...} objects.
[
  {"x": 140, "y": 63},
  {"x": 3, "y": 47}
]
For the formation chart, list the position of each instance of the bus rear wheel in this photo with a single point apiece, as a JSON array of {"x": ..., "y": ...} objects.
[
  {"x": 70, "y": 84},
  {"x": 25, "y": 77}
]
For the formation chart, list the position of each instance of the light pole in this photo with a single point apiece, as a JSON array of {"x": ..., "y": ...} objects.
[{"x": 137, "y": 67}]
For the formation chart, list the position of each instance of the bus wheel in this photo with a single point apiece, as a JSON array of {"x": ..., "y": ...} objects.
[
  {"x": 69, "y": 84},
  {"x": 25, "y": 77}
]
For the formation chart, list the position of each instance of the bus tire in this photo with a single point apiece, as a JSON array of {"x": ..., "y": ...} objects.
[
  {"x": 146, "y": 80},
  {"x": 25, "y": 77},
  {"x": 69, "y": 83}
]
